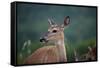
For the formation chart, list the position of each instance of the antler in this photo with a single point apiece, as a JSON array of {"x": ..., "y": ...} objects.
[{"x": 51, "y": 22}]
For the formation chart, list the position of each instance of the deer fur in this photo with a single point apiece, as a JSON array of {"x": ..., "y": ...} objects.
[{"x": 51, "y": 53}]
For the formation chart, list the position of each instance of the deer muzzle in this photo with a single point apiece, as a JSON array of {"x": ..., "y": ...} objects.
[{"x": 43, "y": 40}]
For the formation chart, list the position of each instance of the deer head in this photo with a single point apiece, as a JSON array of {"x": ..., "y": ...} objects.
[
  {"x": 55, "y": 32},
  {"x": 48, "y": 54}
]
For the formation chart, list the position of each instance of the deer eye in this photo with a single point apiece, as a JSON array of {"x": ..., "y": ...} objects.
[{"x": 54, "y": 31}]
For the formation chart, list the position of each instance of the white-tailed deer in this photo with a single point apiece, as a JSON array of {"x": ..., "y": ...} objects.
[{"x": 55, "y": 50}]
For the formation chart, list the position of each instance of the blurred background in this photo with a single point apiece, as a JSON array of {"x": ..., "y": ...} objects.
[{"x": 32, "y": 22}]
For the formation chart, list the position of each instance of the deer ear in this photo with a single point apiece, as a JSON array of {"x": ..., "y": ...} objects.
[{"x": 66, "y": 21}]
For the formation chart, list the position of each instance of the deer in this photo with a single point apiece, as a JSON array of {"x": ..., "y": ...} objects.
[{"x": 54, "y": 50}]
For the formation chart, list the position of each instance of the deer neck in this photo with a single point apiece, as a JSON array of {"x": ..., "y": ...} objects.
[{"x": 61, "y": 50}]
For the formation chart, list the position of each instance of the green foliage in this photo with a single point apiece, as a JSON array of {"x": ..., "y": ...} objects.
[{"x": 80, "y": 47}]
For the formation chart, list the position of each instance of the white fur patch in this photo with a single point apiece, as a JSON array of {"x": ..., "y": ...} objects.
[{"x": 60, "y": 42}]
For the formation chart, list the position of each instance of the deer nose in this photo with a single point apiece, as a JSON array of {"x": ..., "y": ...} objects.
[{"x": 42, "y": 39}]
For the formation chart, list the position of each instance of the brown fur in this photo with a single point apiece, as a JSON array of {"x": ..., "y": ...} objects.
[{"x": 46, "y": 54}]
